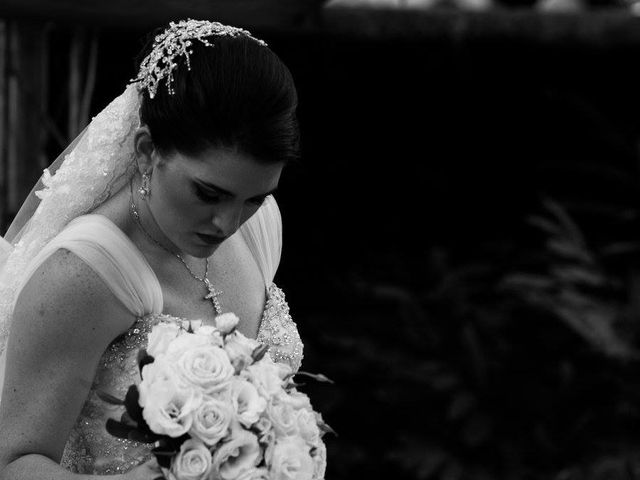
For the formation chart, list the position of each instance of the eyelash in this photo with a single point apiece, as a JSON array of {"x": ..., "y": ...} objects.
[
  {"x": 206, "y": 198},
  {"x": 214, "y": 199}
]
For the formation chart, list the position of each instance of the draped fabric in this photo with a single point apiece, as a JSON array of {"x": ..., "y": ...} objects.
[
  {"x": 123, "y": 268},
  {"x": 110, "y": 253},
  {"x": 263, "y": 234}
]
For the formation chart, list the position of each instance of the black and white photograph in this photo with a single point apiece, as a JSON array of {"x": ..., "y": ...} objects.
[{"x": 320, "y": 239}]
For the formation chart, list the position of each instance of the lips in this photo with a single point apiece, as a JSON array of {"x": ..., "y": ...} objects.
[{"x": 210, "y": 239}]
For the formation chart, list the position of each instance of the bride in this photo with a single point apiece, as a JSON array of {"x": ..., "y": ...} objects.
[{"x": 161, "y": 209}]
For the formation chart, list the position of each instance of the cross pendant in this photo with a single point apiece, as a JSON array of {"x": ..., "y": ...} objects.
[{"x": 213, "y": 296}]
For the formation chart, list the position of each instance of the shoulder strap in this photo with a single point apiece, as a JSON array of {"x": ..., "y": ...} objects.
[
  {"x": 263, "y": 234},
  {"x": 111, "y": 254}
]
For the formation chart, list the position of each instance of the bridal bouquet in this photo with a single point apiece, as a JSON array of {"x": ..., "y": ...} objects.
[{"x": 217, "y": 407}]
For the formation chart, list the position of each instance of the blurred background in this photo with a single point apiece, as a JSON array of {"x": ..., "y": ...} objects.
[{"x": 461, "y": 238}]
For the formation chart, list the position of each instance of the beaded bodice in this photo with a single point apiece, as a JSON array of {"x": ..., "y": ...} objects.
[{"x": 91, "y": 450}]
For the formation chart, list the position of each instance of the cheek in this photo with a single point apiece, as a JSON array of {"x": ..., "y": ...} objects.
[{"x": 176, "y": 207}]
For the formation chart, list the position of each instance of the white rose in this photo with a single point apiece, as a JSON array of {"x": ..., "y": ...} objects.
[
  {"x": 324, "y": 428},
  {"x": 283, "y": 369},
  {"x": 265, "y": 375},
  {"x": 160, "y": 337},
  {"x": 226, "y": 322},
  {"x": 212, "y": 333},
  {"x": 204, "y": 366},
  {"x": 319, "y": 456},
  {"x": 186, "y": 342},
  {"x": 168, "y": 405},
  {"x": 237, "y": 455},
  {"x": 211, "y": 421},
  {"x": 191, "y": 325},
  {"x": 193, "y": 462},
  {"x": 289, "y": 459},
  {"x": 247, "y": 402},
  {"x": 307, "y": 426},
  {"x": 264, "y": 427},
  {"x": 240, "y": 349},
  {"x": 282, "y": 416},
  {"x": 255, "y": 474},
  {"x": 298, "y": 400}
]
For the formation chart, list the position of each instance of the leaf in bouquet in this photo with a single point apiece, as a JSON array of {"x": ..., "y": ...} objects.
[
  {"x": 164, "y": 444},
  {"x": 169, "y": 446},
  {"x": 259, "y": 352},
  {"x": 163, "y": 453},
  {"x": 316, "y": 376},
  {"x": 163, "y": 457},
  {"x": 131, "y": 403},
  {"x": 143, "y": 437},
  {"x": 107, "y": 397},
  {"x": 119, "y": 429},
  {"x": 127, "y": 420},
  {"x": 144, "y": 359},
  {"x": 293, "y": 384},
  {"x": 325, "y": 428}
]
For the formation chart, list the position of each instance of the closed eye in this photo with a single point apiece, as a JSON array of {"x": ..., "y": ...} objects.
[{"x": 205, "y": 196}]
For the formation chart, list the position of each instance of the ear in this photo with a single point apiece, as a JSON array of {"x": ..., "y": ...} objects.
[{"x": 146, "y": 154}]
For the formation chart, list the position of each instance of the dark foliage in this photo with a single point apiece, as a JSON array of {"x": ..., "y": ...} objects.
[{"x": 520, "y": 361}]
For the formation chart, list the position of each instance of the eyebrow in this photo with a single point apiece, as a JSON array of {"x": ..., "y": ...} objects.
[{"x": 231, "y": 194}]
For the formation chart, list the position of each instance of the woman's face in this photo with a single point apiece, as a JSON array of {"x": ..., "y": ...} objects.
[{"x": 198, "y": 202}]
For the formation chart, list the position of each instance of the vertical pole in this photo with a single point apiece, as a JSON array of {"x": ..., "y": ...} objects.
[
  {"x": 25, "y": 111},
  {"x": 43, "y": 157},
  {"x": 12, "y": 121},
  {"x": 74, "y": 84},
  {"x": 3, "y": 124},
  {"x": 90, "y": 81}
]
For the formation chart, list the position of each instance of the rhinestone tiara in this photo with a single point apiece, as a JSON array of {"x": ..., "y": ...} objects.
[{"x": 174, "y": 42}]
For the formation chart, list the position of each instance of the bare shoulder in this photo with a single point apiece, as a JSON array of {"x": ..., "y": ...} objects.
[
  {"x": 64, "y": 319},
  {"x": 68, "y": 290}
]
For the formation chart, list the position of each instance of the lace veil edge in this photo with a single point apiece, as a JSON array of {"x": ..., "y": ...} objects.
[{"x": 90, "y": 170}]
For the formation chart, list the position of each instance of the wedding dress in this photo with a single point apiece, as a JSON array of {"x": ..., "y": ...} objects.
[
  {"x": 103, "y": 246},
  {"x": 92, "y": 169}
]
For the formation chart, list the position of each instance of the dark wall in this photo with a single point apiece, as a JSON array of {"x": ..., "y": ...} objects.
[{"x": 414, "y": 144}]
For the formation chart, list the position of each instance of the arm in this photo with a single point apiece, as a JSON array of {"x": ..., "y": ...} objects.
[{"x": 64, "y": 319}]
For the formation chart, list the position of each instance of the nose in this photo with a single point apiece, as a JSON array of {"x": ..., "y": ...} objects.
[{"x": 227, "y": 221}]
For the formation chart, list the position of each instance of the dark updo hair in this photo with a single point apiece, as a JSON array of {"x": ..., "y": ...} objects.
[{"x": 237, "y": 94}]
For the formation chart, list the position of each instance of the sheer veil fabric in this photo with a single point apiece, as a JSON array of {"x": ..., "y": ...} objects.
[{"x": 96, "y": 165}]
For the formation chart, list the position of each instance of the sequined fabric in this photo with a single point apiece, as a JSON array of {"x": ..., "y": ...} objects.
[
  {"x": 91, "y": 450},
  {"x": 279, "y": 331}
]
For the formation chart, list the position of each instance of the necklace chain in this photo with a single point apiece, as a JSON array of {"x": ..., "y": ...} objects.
[{"x": 212, "y": 293}]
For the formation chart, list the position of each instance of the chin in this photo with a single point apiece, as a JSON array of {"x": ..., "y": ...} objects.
[{"x": 203, "y": 251}]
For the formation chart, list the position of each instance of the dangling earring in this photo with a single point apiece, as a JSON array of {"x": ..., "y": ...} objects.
[{"x": 145, "y": 189}]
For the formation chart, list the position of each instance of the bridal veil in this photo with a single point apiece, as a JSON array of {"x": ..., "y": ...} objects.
[{"x": 97, "y": 164}]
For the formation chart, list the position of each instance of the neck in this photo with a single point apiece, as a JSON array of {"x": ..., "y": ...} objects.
[{"x": 146, "y": 229}]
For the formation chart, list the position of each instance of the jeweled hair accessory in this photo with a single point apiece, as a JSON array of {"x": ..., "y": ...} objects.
[{"x": 176, "y": 41}]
